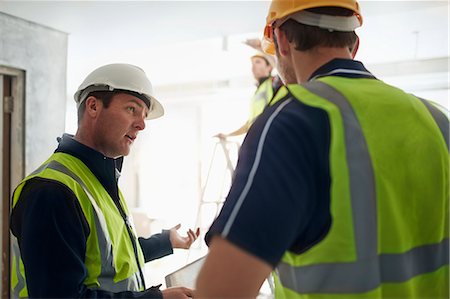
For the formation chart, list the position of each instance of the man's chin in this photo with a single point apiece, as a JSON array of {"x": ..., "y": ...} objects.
[
  {"x": 123, "y": 153},
  {"x": 126, "y": 153}
]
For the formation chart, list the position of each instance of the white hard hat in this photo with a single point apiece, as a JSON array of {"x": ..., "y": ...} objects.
[{"x": 120, "y": 76}]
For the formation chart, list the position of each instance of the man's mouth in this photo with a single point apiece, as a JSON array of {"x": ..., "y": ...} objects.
[{"x": 132, "y": 138}]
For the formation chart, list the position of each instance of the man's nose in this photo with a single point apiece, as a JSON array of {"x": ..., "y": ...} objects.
[{"x": 140, "y": 123}]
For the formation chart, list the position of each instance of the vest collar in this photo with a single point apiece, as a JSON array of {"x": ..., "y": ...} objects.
[{"x": 106, "y": 170}]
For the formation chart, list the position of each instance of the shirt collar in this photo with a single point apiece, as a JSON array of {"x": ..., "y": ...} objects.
[
  {"x": 340, "y": 67},
  {"x": 99, "y": 164}
]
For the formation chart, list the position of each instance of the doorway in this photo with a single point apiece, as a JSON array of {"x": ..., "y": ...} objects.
[{"x": 12, "y": 119}]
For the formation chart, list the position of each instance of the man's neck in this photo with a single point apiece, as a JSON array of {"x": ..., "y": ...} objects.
[
  {"x": 84, "y": 137},
  {"x": 307, "y": 62}
]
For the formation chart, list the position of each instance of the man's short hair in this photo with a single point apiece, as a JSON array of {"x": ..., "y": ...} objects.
[
  {"x": 306, "y": 37},
  {"x": 104, "y": 96}
]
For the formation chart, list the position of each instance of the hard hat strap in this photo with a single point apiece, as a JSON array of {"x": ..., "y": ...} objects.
[{"x": 85, "y": 93}]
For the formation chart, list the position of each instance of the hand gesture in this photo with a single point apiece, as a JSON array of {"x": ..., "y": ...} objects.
[
  {"x": 221, "y": 136},
  {"x": 182, "y": 242},
  {"x": 255, "y": 43}
]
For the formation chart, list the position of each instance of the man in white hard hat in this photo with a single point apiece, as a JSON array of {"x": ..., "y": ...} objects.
[
  {"x": 342, "y": 185},
  {"x": 73, "y": 232}
]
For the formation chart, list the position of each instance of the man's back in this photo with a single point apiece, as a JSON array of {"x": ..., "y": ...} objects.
[
  {"x": 388, "y": 202},
  {"x": 389, "y": 169}
]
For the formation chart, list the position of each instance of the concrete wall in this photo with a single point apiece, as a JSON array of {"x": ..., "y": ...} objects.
[{"x": 42, "y": 53}]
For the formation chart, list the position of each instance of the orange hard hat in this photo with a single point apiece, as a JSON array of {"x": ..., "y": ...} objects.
[{"x": 286, "y": 9}]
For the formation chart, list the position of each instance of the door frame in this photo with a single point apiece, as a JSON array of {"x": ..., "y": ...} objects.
[{"x": 16, "y": 161}]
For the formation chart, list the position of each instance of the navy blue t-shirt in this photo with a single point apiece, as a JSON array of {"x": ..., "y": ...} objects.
[{"x": 280, "y": 196}]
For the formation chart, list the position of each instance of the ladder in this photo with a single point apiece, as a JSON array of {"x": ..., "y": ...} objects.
[
  {"x": 228, "y": 151},
  {"x": 217, "y": 183}
]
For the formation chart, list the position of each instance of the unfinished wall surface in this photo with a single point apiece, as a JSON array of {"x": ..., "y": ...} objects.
[{"x": 42, "y": 53}]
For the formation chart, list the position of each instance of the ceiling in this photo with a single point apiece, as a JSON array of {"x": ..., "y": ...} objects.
[
  {"x": 104, "y": 31},
  {"x": 143, "y": 22},
  {"x": 147, "y": 23}
]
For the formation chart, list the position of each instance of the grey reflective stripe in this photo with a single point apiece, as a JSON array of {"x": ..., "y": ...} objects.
[
  {"x": 262, "y": 93},
  {"x": 364, "y": 275},
  {"x": 20, "y": 279},
  {"x": 419, "y": 260},
  {"x": 361, "y": 175},
  {"x": 370, "y": 269},
  {"x": 40, "y": 168},
  {"x": 108, "y": 271},
  {"x": 261, "y": 96},
  {"x": 440, "y": 119},
  {"x": 130, "y": 284}
]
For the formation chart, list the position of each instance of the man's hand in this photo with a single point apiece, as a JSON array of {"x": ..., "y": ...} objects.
[
  {"x": 177, "y": 293},
  {"x": 182, "y": 242},
  {"x": 221, "y": 136},
  {"x": 255, "y": 43}
]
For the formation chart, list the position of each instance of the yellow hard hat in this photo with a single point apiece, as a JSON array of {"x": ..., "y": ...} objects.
[
  {"x": 259, "y": 54},
  {"x": 283, "y": 9},
  {"x": 268, "y": 58}
]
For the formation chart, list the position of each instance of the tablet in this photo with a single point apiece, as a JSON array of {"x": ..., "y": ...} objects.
[{"x": 185, "y": 276}]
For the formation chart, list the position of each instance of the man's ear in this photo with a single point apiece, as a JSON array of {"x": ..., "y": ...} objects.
[
  {"x": 92, "y": 106},
  {"x": 284, "y": 47}
]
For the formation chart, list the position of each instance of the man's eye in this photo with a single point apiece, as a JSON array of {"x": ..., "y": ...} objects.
[{"x": 131, "y": 109}]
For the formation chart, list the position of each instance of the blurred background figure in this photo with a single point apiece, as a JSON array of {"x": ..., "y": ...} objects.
[{"x": 267, "y": 86}]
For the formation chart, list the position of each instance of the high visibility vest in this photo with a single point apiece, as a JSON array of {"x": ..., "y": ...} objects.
[
  {"x": 260, "y": 99},
  {"x": 110, "y": 259},
  {"x": 389, "y": 168}
]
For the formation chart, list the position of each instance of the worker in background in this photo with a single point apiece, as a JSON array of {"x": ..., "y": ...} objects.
[
  {"x": 267, "y": 86},
  {"x": 342, "y": 186},
  {"x": 73, "y": 232}
]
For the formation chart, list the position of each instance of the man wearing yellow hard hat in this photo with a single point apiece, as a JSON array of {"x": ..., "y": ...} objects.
[
  {"x": 266, "y": 87},
  {"x": 342, "y": 184}
]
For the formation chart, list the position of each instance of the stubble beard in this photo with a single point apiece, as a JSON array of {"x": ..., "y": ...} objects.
[{"x": 285, "y": 70}]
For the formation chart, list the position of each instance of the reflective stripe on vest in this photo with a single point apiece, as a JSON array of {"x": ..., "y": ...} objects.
[
  {"x": 440, "y": 119},
  {"x": 17, "y": 265},
  {"x": 106, "y": 278},
  {"x": 370, "y": 269},
  {"x": 261, "y": 99}
]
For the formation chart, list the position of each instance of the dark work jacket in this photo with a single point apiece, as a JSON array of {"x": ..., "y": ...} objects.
[{"x": 51, "y": 230}]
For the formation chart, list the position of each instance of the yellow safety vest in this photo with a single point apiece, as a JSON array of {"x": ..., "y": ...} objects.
[
  {"x": 389, "y": 167},
  {"x": 110, "y": 259},
  {"x": 260, "y": 99}
]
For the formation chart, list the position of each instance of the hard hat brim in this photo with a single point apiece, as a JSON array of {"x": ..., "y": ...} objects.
[{"x": 157, "y": 109}]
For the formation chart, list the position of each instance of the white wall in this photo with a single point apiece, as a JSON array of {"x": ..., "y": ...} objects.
[{"x": 42, "y": 53}]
